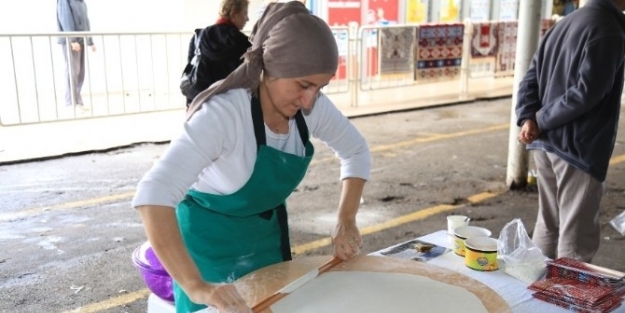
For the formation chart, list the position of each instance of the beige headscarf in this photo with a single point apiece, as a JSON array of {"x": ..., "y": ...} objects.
[{"x": 287, "y": 41}]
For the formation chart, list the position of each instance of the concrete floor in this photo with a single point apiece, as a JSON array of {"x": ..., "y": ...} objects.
[{"x": 68, "y": 230}]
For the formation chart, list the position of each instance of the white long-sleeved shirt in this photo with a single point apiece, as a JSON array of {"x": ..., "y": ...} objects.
[{"x": 217, "y": 149}]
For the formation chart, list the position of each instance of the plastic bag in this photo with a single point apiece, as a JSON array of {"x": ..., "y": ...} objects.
[
  {"x": 619, "y": 223},
  {"x": 517, "y": 255}
]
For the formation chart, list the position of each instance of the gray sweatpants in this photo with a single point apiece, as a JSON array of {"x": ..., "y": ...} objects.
[
  {"x": 74, "y": 68},
  {"x": 569, "y": 201}
]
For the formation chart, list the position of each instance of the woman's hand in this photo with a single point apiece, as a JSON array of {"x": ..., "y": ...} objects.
[
  {"x": 223, "y": 297},
  {"x": 346, "y": 239},
  {"x": 346, "y": 236},
  {"x": 529, "y": 132}
]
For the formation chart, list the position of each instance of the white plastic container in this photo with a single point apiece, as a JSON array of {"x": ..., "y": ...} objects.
[{"x": 158, "y": 305}]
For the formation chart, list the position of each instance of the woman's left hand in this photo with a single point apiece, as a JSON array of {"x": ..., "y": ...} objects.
[{"x": 346, "y": 239}]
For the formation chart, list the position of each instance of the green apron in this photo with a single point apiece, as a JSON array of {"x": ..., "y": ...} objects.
[{"x": 229, "y": 236}]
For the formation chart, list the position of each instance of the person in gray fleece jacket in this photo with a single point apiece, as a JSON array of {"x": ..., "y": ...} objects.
[
  {"x": 71, "y": 16},
  {"x": 568, "y": 109}
]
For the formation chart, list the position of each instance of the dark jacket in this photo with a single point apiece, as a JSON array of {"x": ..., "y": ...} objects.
[
  {"x": 222, "y": 45},
  {"x": 573, "y": 87},
  {"x": 71, "y": 16}
]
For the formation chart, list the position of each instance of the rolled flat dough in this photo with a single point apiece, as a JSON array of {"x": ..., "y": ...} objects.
[{"x": 363, "y": 292}]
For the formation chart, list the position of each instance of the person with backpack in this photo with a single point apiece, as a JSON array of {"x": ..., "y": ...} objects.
[
  {"x": 218, "y": 50},
  {"x": 214, "y": 204}
]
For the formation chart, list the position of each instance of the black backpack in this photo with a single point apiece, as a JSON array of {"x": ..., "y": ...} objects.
[{"x": 194, "y": 77}]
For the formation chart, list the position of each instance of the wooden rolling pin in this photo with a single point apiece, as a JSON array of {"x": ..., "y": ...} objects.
[{"x": 261, "y": 306}]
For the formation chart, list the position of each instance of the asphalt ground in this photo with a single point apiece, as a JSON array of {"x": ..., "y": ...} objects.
[{"x": 68, "y": 232}]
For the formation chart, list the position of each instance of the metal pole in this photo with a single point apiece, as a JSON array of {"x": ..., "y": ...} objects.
[
  {"x": 70, "y": 70},
  {"x": 17, "y": 88},
  {"x": 32, "y": 58},
  {"x": 548, "y": 7},
  {"x": 436, "y": 11},
  {"x": 121, "y": 68},
  {"x": 526, "y": 44},
  {"x": 465, "y": 10},
  {"x": 466, "y": 57},
  {"x": 353, "y": 64}
]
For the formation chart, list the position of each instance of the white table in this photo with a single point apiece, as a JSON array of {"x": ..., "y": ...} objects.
[{"x": 513, "y": 291}]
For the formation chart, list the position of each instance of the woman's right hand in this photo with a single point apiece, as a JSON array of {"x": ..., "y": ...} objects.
[{"x": 223, "y": 297}]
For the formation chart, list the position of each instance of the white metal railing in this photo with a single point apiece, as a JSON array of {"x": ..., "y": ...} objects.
[
  {"x": 372, "y": 74},
  {"x": 138, "y": 72},
  {"x": 128, "y": 73}
]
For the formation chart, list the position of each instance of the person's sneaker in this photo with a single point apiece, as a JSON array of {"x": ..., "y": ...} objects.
[{"x": 82, "y": 110}]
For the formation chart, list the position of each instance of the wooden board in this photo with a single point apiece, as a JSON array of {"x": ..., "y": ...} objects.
[{"x": 262, "y": 283}]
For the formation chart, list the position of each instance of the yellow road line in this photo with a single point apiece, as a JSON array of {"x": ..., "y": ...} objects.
[
  {"x": 617, "y": 159},
  {"x": 422, "y": 214},
  {"x": 112, "y": 302},
  {"x": 124, "y": 196},
  {"x": 439, "y": 137},
  {"x": 65, "y": 206},
  {"x": 477, "y": 198},
  {"x": 419, "y": 215},
  {"x": 76, "y": 204},
  {"x": 432, "y": 137},
  {"x": 414, "y": 216}
]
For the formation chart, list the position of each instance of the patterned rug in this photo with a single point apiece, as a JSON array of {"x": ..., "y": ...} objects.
[
  {"x": 396, "y": 50},
  {"x": 484, "y": 41},
  {"x": 439, "y": 51},
  {"x": 507, "y": 46},
  {"x": 484, "y": 45}
]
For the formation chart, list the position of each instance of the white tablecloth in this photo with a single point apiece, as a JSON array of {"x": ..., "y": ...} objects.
[{"x": 513, "y": 291}]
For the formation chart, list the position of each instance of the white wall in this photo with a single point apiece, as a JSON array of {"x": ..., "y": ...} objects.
[
  {"x": 39, "y": 16},
  {"x": 201, "y": 13},
  {"x": 135, "y": 15}
]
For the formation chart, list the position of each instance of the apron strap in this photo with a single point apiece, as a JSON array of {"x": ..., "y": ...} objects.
[
  {"x": 259, "y": 124},
  {"x": 261, "y": 139},
  {"x": 285, "y": 243},
  {"x": 301, "y": 126}
]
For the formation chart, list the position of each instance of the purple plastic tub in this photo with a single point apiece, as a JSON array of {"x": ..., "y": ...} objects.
[{"x": 153, "y": 272}]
